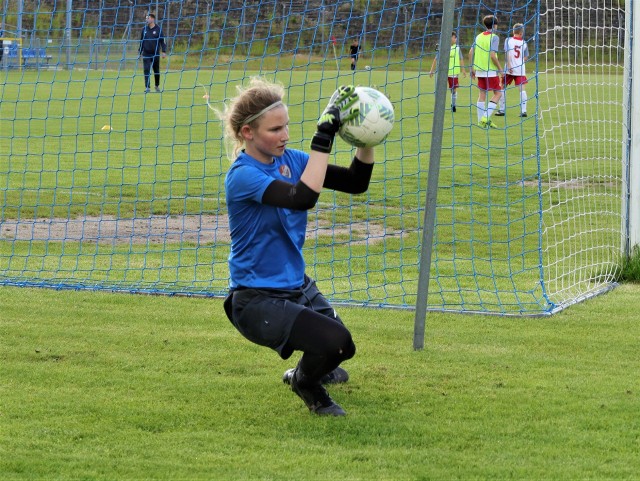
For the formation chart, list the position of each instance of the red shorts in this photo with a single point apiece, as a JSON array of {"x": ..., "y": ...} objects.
[
  {"x": 489, "y": 83},
  {"x": 453, "y": 82},
  {"x": 517, "y": 79}
]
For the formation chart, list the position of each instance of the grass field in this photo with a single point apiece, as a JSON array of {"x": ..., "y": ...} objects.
[
  {"x": 113, "y": 386},
  {"x": 163, "y": 158}
]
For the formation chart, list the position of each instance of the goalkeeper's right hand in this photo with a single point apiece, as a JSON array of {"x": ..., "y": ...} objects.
[{"x": 338, "y": 110}]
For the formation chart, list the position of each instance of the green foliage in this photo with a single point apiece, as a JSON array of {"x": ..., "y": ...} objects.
[
  {"x": 629, "y": 267},
  {"x": 58, "y": 23},
  {"x": 43, "y": 20},
  {"x": 111, "y": 386}
]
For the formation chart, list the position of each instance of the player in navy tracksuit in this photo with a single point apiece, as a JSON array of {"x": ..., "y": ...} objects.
[
  {"x": 270, "y": 188},
  {"x": 151, "y": 41},
  {"x": 354, "y": 51}
]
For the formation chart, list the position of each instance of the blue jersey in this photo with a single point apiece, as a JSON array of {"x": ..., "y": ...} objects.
[{"x": 266, "y": 241}]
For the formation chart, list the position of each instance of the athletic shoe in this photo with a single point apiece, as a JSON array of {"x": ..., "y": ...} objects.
[
  {"x": 147, "y": 90},
  {"x": 499, "y": 114},
  {"x": 158, "y": 89},
  {"x": 523, "y": 114},
  {"x": 316, "y": 398},
  {"x": 453, "y": 109},
  {"x": 338, "y": 375},
  {"x": 486, "y": 122}
]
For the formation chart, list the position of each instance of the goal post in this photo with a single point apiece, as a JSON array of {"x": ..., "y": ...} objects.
[
  {"x": 433, "y": 179},
  {"x": 104, "y": 186},
  {"x": 631, "y": 203}
]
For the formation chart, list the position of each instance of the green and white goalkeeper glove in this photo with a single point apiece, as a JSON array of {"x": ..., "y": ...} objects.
[{"x": 338, "y": 110}]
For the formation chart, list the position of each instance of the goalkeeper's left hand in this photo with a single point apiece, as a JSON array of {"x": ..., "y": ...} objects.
[{"x": 338, "y": 110}]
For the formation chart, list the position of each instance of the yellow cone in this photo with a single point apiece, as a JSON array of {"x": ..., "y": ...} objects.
[{"x": 106, "y": 127}]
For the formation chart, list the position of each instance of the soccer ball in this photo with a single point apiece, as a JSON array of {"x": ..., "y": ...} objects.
[
  {"x": 367, "y": 67},
  {"x": 374, "y": 123}
]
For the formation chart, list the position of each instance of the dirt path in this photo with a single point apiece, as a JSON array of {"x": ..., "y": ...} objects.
[{"x": 197, "y": 229}]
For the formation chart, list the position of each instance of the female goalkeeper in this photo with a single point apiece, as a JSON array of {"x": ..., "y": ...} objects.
[{"x": 270, "y": 188}]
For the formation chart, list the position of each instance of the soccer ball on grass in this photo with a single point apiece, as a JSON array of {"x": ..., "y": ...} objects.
[{"x": 374, "y": 123}]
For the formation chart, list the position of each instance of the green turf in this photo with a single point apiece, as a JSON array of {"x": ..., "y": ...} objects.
[{"x": 113, "y": 386}]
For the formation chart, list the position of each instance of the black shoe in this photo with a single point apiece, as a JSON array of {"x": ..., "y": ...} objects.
[
  {"x": 523, "y": 114},
  {"x": 338, "y": 375},
  {"x": 316, "y": 398},
  {"x": 499, "y": 114},
  {"x": 453, "y": 108}
]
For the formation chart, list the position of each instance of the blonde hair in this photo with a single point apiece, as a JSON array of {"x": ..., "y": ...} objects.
[
  {"x": 518, "y": 28},
  {"x": 246, "y": 109}
]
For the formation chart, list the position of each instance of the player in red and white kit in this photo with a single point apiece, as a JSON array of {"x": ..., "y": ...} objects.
[{"x": 516, "y": 55}]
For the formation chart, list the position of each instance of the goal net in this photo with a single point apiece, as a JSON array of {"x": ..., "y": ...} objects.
[
  {"x": 583, "y": 132},
  {"x": 105, "y": 186}
]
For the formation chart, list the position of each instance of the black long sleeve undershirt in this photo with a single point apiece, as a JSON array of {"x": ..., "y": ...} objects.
[
  {"x": 352, "y": 180},
  {"x": 290, "y": 196}
]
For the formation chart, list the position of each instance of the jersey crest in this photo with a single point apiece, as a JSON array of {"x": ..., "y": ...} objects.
[{"x": 284, "y": 171}]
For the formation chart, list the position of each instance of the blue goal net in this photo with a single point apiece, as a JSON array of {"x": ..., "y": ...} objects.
[{"x": 107, "y": 186}]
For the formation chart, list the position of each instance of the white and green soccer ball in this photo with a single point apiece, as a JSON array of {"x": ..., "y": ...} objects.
[{"x": 374, "y": 123}]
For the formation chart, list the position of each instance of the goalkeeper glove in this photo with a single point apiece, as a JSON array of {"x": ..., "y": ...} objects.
[{"x": 338, "y": 110}]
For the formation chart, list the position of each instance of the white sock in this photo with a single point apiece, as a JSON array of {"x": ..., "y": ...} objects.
[
  {"x": 454, "y": 97},
  {"x": 523, "y": 101},
  {"x": 502, "y": 102},
  {"x": 492, "y": 107},
  {"x": 481, "y": 110}
]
